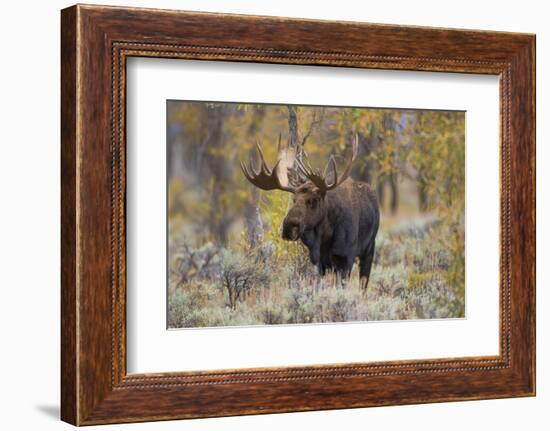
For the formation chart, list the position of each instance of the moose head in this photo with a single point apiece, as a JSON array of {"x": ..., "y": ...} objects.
[{"x": 309, "y": 191}]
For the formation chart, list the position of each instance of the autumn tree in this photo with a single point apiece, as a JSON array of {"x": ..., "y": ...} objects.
[
  {"x": 253, "y": 219},
  {"x": 400, "y": 151}
]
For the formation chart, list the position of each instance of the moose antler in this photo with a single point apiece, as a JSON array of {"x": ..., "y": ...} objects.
[
  {"x": 264, "y": 177},
  {"x": 320, "y": 180}
]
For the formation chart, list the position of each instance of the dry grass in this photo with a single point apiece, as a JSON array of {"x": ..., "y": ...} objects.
[{"x": 412, "y": 278}]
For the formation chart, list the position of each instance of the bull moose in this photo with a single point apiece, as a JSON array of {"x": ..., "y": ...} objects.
[{"x": 336, "y": 220}]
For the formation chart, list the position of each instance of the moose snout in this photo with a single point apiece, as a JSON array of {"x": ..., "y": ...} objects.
[{"x": 292, "y": 229}]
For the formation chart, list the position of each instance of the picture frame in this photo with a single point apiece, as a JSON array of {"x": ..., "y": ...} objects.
[{"x": 96, "y": 42}]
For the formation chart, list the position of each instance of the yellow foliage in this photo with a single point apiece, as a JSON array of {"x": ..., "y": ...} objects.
[
  {"x": 274, "y": 208},
  {"x": 418, "y": 280}
]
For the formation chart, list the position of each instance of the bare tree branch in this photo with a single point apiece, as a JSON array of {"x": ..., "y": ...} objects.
[{"x": 315, "y": 122}]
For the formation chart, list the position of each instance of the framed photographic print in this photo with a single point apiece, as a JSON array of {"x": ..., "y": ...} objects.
[{"x": 268, "y": 215}]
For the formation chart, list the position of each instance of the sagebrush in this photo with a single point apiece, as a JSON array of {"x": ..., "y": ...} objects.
[{"x": 414, "y": 277}]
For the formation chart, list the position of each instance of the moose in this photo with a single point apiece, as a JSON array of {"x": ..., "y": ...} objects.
[{"x": 336, "y": 218}]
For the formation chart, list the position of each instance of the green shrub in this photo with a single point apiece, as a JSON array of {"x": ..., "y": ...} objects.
[
  {"x": 301, "y": 305},
  {"x": 418, "y": 274},
  {"x": 190, "y": 307},
  {"x": 339, "y": 305},
  {"x": 273, "y": 312}
]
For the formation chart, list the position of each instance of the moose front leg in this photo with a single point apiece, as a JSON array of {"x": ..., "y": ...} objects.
[
  {"x": 312, "y": 241},
  {"x": 342, "y": 265},
  {"x": 341, "y": 253},
  {"x": 315, "y": 256}
]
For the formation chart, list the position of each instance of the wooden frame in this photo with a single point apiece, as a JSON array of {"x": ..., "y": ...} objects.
[{"x": 96, "y": 41}]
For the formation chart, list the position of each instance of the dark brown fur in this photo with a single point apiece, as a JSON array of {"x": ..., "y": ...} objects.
[{"x": 337, "y": 226}]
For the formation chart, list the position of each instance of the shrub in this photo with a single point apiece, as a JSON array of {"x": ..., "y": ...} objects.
[
  {"x": 195, "y": 263},
  {"x": 300, "y": 304},
  {"x": 240, "y": 274},
  {"x": 342, "y": 305},
  {"x": 418, "y": 274},
  {"x": 190, "y": 307},
  {"x": 273, "y": 312},
  {"x": 418, "y": 280}
]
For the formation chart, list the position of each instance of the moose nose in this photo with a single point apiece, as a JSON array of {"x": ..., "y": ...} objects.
[{"x": 291, "y": 230}]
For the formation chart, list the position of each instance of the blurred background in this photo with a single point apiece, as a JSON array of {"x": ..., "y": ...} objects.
[{"x": 222, "y": 229}]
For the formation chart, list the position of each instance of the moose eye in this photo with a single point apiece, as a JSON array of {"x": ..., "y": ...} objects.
[{"x": 311, "y": 203}]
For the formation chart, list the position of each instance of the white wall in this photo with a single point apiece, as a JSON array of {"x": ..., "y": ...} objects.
[{"x": 29, "y": 214}]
